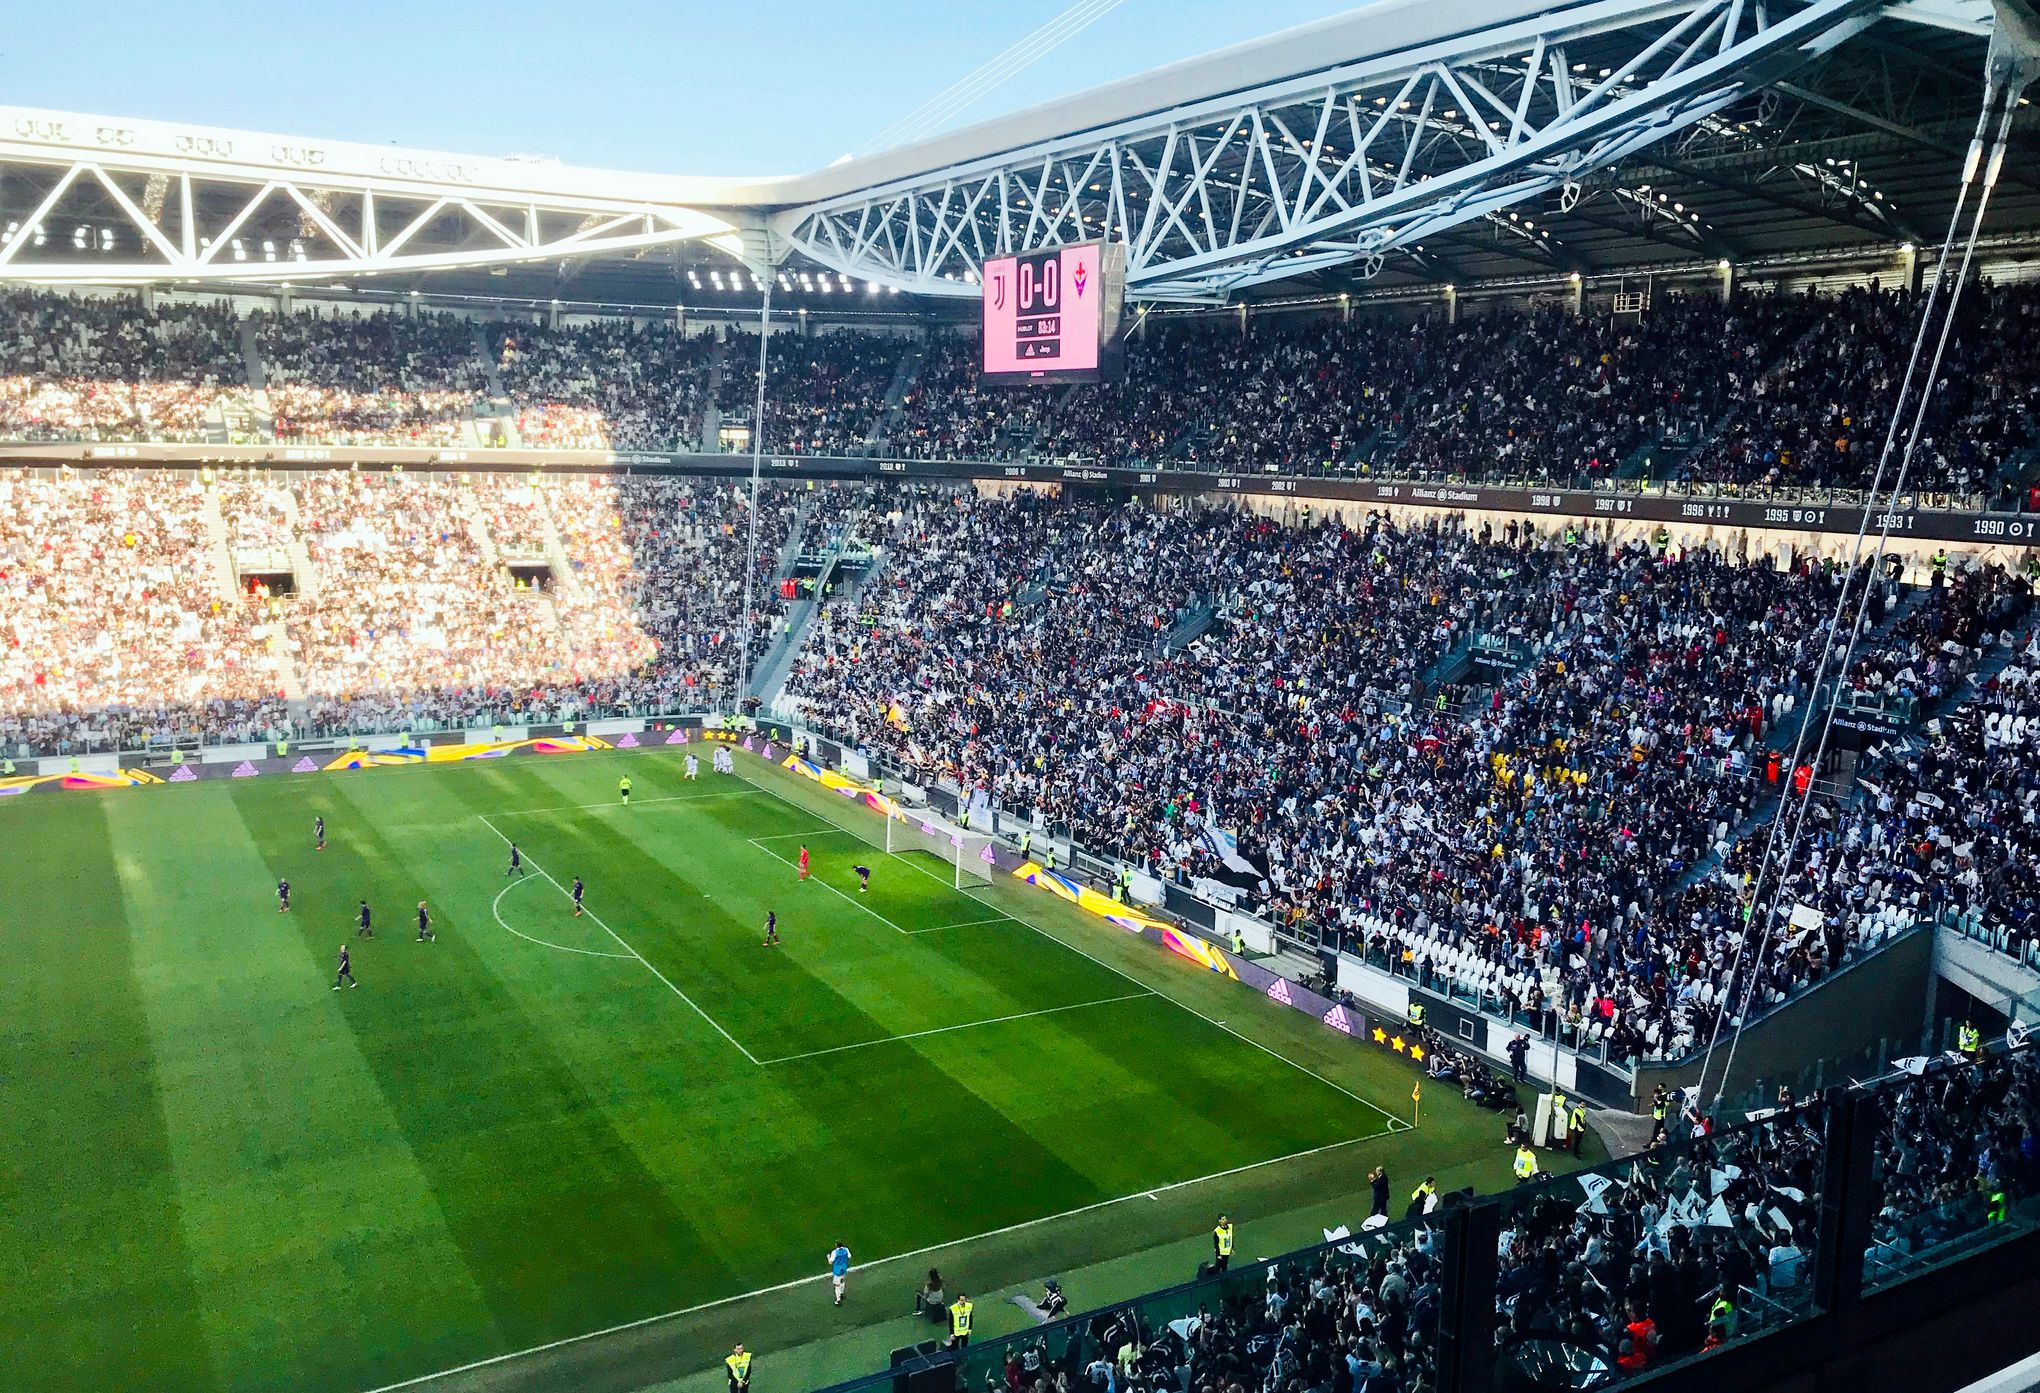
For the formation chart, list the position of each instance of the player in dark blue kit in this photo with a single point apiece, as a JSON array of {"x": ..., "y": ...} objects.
[
  {"x": 577, "y": 897},
  {"x": 319, "y": 833},
  {"x": 362, "y": 927},
  {"x": 771, "y": 928},
  {"x": 346, "y": 972},
  {"x": 516, "y": 861},
  {"x": 283, "y": 897},
  {"x": 425, "y": 934},
  {"x": 863, "y": 879}
]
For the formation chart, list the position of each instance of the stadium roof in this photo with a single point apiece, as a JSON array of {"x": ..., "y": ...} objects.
[{"x": 1402, "y": 145}]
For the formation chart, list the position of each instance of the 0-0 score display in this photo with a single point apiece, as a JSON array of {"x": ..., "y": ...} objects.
[{"x": 1051, "y": 315}]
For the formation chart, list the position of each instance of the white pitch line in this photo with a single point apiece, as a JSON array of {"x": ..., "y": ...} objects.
[
  {"x": 974, "y": 923},
  {"x": 844, "y": 894},
  {"x": 614, "y": 804},
  {"x": 495, "y": 908},
  {"x": 908, "y": 1256},
  {"x": 1395, "y": 1123},
  {"x": 946, "y": 1029},
  {"x": 822, "y": 831},
  {"x": 633, "y": 952}
]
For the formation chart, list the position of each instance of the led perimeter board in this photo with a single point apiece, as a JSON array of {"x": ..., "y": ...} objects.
[{"x": 1052, "y": 316}]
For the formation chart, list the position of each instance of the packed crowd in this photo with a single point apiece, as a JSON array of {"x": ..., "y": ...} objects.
[
  {"x": 1820, "y": 413},
  {"x": 1955, "y": 1149},
  {"x": 1675, "y": 1256},
  {"x": 83, "y": 368},
  {"x": 1568, "y": 842},
  {"x": 1363, "y": 1317},
  {"x": 824, "y": 392},
  {"x": 605, "y": 384},
  {"x": 1768, "y": 390},
  {"x": 114, "y": 628},
  {"x": 339, "y": 379},
  {"x": 135, "y": 615},
  {"x": 1778, "y": 390}
]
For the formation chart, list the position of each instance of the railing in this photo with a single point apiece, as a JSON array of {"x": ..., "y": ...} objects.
[
  {"x": 298, "y": 733},
  {"x": 1793, "y": 1236}
]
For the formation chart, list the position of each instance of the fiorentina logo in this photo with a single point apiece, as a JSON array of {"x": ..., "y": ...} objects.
[{"x": 1077, "y": 278}]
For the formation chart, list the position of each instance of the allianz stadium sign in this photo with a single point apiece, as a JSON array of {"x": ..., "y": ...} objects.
[{"x": 1932, "y": 524}]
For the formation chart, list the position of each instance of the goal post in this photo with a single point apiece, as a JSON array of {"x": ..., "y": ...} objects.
[{"x": 967, "y": 854}]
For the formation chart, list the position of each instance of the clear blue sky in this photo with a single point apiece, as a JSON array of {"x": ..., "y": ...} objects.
[{"x": 757, "y": 87}]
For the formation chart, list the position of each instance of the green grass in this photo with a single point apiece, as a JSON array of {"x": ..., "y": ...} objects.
[{"x": 216, "y": 1173}]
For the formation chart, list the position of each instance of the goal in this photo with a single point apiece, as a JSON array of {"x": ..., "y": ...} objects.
[{"x": 967, "y": 854}]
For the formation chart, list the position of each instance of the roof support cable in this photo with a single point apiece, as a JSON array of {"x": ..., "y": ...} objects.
[{"x": 2002, "y": 98}]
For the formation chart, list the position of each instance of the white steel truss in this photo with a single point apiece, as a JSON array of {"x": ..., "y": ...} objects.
[
  {"x": 1340, "y": 165},
  {"x": 103, "y": 202}
]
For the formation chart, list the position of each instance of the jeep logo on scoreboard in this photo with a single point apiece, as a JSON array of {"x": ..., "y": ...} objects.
[{"x": 1053, "y": 315}]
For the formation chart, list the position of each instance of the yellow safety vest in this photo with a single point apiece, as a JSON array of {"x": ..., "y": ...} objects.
[
  {"x": 1423, "y": 1191},
  {"x": 1969, "y": 1039},
  {"x": 739, "y": 1365},
  {"x": 1526, "y": 1163},
  {"x": 959, "y": 1318},
  {"x": 1223, "y": 1233}
]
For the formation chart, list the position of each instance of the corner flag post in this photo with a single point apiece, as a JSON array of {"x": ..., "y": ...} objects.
[{"x": 1417, "y": 1099}]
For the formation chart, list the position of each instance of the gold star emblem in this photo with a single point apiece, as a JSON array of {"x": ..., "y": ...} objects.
[
  {"x": 1396, "y": 1044},
  {"x": 1380, "y": 1036},
  {"x": 1416, "y": 1051}
]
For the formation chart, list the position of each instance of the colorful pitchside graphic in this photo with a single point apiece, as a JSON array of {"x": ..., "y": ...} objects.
[
  {"x": 78, "y": 782},
  {"x": 848, "y": 787},
  {"x": 453, "y": 754},
  {"x": 1089, "y": 900}
]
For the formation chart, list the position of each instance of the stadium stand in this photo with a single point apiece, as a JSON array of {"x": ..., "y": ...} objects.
[
  {"x": 1569, "y": 840},
  {"x": 79, "y": 368},
  {"x": 1769, "y": 392},
  {"x": 610, "y": 384},
  {"x": 374, "y": 378},
  {"x": 824, "y": 392}
]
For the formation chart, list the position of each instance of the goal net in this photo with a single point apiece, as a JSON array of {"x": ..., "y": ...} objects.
[{"x": 968, "y": 855}]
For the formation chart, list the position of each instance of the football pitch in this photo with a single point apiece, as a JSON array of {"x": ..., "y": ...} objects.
[{"x": 216, "y": 1172}]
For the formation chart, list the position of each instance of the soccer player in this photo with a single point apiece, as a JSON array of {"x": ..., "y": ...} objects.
[
  {"x": 863, "y": 879},
  {"x": 693, "y": 767},
  {"x": 577, "y": 897},
  {"x": 803, "y": 862},
  {"x": 346, "y": 972},
  {"x": 771, "y": 928},
  {"x": 425, "y": 934},
  {"x": 623, "y": 787},
  {"x": 516, "y": 861},
  {"x": 283, "y": 897},
  {"x": 362, "y": 922},
  {"x": 839, "y": 1269},
  {"x": 319, "y": 833}
]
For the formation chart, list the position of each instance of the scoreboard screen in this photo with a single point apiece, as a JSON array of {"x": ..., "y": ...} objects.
[{"x": 1053, "y": 315}]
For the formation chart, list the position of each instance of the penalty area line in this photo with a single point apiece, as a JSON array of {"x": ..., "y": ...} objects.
[
  {"x": 876, "y": 1263},
  {"x": 948, "y": 1029},
  {"x": 617, "y": 803}
]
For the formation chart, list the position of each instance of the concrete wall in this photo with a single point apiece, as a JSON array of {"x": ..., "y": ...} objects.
[{"x": 1877, "y": 1004}]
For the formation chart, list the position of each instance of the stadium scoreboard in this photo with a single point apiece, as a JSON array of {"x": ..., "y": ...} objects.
[{"x": 1052, "y": 316}]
